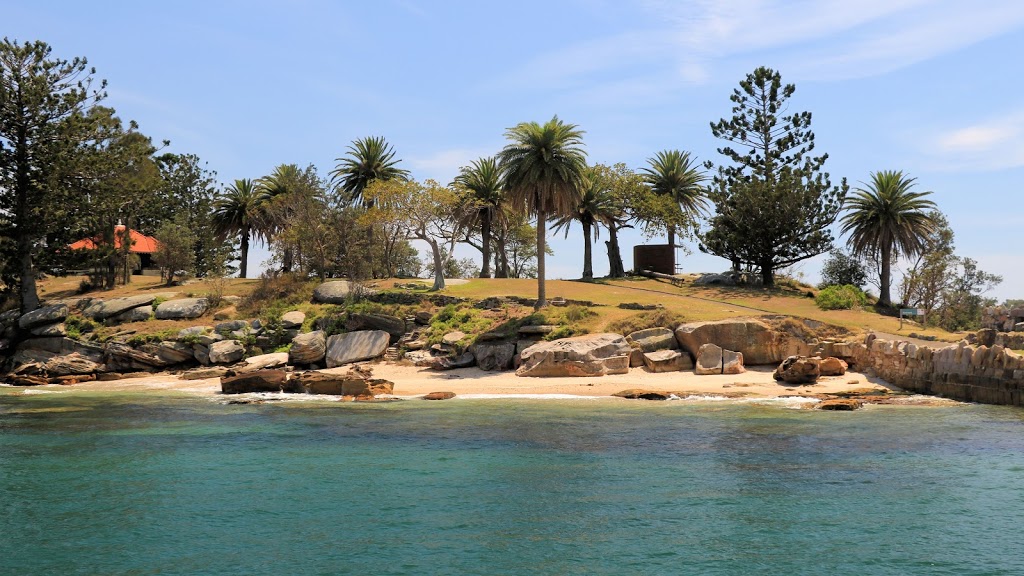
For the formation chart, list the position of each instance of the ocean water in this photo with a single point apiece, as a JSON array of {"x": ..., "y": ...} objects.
[{"x": 146, "y": 484}]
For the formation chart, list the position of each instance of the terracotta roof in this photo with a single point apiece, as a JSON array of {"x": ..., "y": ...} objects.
[{"x": 141, "y": 244}]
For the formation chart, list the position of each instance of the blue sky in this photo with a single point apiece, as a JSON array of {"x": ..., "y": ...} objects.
[{"x": 932, "y": 87}]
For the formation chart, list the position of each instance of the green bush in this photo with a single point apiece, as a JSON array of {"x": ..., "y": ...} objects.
[{"x": 846, "y": 297}]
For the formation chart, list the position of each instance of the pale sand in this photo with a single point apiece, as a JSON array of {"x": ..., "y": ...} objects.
[{"x": 412, "y": 381}]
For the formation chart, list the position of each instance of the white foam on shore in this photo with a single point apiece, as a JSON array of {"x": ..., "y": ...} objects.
[
  {"x": 784, "y": 401},
  {"x": 38, "y": 391},
  {"x": 526, "y": 397}
]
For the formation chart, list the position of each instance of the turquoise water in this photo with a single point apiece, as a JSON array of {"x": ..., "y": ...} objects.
[{"x": 140, "y": 484}]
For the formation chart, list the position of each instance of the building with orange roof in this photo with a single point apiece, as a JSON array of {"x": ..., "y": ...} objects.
[{"x": 144, "y": 246}]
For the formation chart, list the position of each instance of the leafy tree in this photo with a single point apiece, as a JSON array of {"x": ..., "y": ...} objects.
[
  {"x": 239, "y": 212},
  {"x": 521, "y": 246},
  {"x": 962, "y": 300},
  {"x": 176, "y": 255},
  {"x": 842, "y": 269},
  {"x": 367, "y": 159},
  {"x": 674, "y": 175},
  {"x": 632, "y": 201},
  {"x": 886, "y": 220},
  {"x": 543, "y": 169},
  {"x": 428, "y": 212},
  {"x": 930, "y": 269},
  {"x": 598, "y": 205},
  {"x": 483, "y": 178},
  {"x": 44, "y": 120},
  {"x": 454, "y": 267},
  {"x": 773, "y": 205}
]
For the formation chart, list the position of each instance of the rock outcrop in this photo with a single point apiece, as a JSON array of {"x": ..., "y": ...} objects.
[
  {"x": 110, "y": 308},
  {"x": 42, "y": 316},
  {"x": 653, "y": 339},
  {"x": 355, "y": 346},
  {"x": 183, "y": 309},
  {"x": 589, "y": 355},
  {"x": 226, "y": 352},
  {"x": 293, "y": 320},
  {"x": 667, "y": 361},
  {"x": 709, "y": 360},
  {"x": 394, "y": 326},
  {"x": 308, "y": 348},
  {"x": 439, "y": 396},
  {"x": 259, "y": 381},
  {"x": 756, "y": 340},
  {"x": 799, "y": 370},
  {"x": 493, "y": 355},
  {"x": 832, "y": 366}
]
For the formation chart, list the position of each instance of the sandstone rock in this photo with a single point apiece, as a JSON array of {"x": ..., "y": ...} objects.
[
  {"x": 641, "y": 394},
  {"x": 709, "y": 360},
  {"x": 799, "y": 370},
  {"x": 43, "y": 316},
  {"x": 226, "y": 352},
  {"x": 732, "y": 362},
  {"x": 123, "y": 358},
  {"x": 727, "y": 279},
  {"x": 832, "y": 366},
  {"x": 307, "y": 348},
  {"x": 314, "y": 382},
  {"x": 667, "y": 361},
  {"x": 840, "y": 404},
  {"x": 453, "y": 338},
  {"x": 755, "y": 339},
  {"x": 263, "y": 361},
  {"x": 73, "y": 363},
  {"x": 588, "y": 355},
  {"x": 140, "y": 314},
  {"x": 355, "y": 346},
  {"x": 367, "y": 387},
  {"x": 654, "y": 339},
  {"x": 183, "y": 309},
  {"x": 636, "y": 358},
  {"x": 292, "y": 320},
  {"x": 464, "y": 360},
  {"x": 103, "y": 309},
  {"x": 173, "y": 352},
  {"x": 538, "y": 330},
  {"x": 987, "y": 337},
  {"x": 10, "y": 317},
  {"x": 193, "y": 331},
  {"x": 337, "y": 292},
  {"x": 202, "y": 353},
  {"x": 259, "y": 381},
  {"x": 230, "y": 326},
  {"x": 424, "y": 318},
  {"x": 493, "y": 355},
  {"x": 439, "y": 396},
  {"x": 58, "y": 329},
  {"x": 394, "y": 326},
  {"x": 204, "y": 373}
]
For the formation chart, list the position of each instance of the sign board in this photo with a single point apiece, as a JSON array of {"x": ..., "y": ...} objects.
[{"x": 910, "y": 312}]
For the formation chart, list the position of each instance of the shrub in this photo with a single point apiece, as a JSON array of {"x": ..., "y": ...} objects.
[
  {"x": 652, "y": 319},
  {"x": 841, "y": 269},
  {"x": 845, "y": 297}
]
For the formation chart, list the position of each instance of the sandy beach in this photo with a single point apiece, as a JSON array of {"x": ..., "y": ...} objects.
[{"x": 411, "y": 381}]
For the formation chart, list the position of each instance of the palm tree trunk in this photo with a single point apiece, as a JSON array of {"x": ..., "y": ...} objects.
[
  {"x": 245, "y": 254},
  {"x": 588, "y": 255},
  {"x": 485, "y": 234},
  {"x": 542, "y": 299},
  {"x": 884, "y": 297}
]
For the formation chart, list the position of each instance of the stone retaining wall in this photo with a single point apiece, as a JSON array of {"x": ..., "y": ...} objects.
[{"x": 988, "y": 375}]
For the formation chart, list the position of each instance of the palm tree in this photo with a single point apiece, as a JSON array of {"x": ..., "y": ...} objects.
[
  {"x": 674, "y": 174},
  {"x": 543, "y": 167},
  {"x": 282, "y": 182},
  {"x": 483, "y": 179},
  {"x": 887, "y": 220},
  {"x": 239, "y": 211},
  {"x": 368, "y": 159},
  {"x": 597, "y": 206}
]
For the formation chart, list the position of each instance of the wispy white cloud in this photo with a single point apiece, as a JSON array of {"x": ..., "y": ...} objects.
[{"x": 996, "y": 143}]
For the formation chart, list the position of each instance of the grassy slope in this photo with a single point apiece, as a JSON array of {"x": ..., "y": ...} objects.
[{"x": 694, "y": 303}]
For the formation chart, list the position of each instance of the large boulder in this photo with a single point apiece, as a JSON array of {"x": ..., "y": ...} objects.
[
  {"x": 73, "y": 363},
  {"x": 230, "y": 326},
  {"x": 589, "y": 355},
  {"x": 709, "y": 360},
  {"x": 43, "y": 316},
  {"x": 226, "y": 352},
  {"x": 667, "y": 361},
  {"x": 263, "y": 361},
  {"x": 121, "y": 357},
  {"x": 394, "y": 326},
  {"x": 103, "y": 309},
  {"x": 355, "y": 346},
  {"x": 653, "y": 339},
  {"x": 140, "y": 314},
  {"x": 348, "y": 384},
  {"x": 732, "y": 362},
  {"x": 757, "y": 341},
  {"x": 183, "y": 309},
  {"x": 170, "y": 352},
  {"x": 293, "y": 320},
  {"x": 493, "y": 355},
  {"x": 832, "y": 366},
  {"x": 333, "y": 292},
  {"x": 47, "y": 330},
  {"x": 799, "y": 370},
  {"x": 259, "y": 381},
  {"x": 308, "y": 348}
]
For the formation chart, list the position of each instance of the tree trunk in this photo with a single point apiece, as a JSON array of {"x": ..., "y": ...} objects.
[
  {"x": 767, "y": 274},
  {"x": 542, "y": 299},
  {"x": 501, "y": 269},
  {"x": 29, "y": 297},
  {"x": 615, "y": 267},
  {"x": 672, "y": 237},
  {"x": 884, "y": 298},
  {"x": 243, "y": 261},
  {"x": 287, "y": 259},
  {"x": 485, "y": 234},
  {"x": 588, "y": 254},
  {"x": 435, "y": 251}
]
